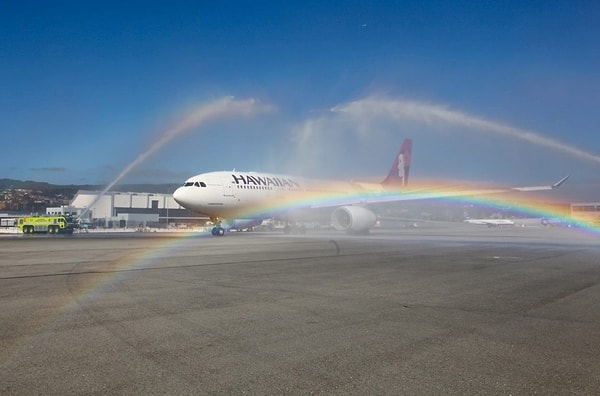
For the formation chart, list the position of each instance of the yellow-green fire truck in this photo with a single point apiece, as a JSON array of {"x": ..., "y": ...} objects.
[{"x": 46, "y": 224}]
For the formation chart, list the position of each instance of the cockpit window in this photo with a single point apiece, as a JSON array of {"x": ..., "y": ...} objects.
[{"x": 196, "y": 184}]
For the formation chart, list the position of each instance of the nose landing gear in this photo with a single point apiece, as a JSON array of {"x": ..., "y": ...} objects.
[{"x": 218, "y": 229}]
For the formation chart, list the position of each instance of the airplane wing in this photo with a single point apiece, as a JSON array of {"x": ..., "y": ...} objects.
[
  {"x": 359, "y": 197},
  {"x": 542, "y": 188}
]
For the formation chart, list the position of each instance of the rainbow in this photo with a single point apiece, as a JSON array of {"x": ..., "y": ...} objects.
[{"x": 525, "y": 204}]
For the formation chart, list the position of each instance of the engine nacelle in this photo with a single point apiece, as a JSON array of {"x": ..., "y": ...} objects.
[{"x": 354, "y": 219}]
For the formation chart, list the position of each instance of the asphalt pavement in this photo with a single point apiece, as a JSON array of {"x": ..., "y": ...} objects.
[{"x": 438, "y": 310}]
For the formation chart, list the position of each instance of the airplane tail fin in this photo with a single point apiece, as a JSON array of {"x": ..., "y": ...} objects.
[{"x": 398, "y": 174}]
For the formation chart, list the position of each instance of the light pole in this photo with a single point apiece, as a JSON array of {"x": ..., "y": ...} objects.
[{"x": 167, "y": 201}]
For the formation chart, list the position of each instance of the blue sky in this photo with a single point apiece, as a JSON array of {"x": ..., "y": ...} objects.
[{"x": 88, "y": 87}]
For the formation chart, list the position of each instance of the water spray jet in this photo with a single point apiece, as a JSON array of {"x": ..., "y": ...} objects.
[
  {"x": 222, "y": 108},
  {"x": 407, "y": 110}
]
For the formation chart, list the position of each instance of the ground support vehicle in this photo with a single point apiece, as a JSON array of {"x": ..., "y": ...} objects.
[{"x": 46, "y": 224}]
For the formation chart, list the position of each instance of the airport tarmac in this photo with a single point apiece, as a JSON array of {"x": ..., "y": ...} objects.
[{"x": 441, "y": 310}]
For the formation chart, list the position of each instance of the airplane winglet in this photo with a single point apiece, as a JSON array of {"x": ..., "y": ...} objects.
[{"x": 561, "y": 181}]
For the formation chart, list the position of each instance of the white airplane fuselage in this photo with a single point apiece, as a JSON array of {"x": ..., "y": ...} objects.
[{"x": 260, "y": 195}]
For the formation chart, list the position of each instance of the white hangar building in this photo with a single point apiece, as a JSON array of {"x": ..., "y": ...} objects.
[{"x": 131, "y": 209}]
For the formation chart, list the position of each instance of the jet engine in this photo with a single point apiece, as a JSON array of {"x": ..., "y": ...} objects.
[{"x": 353, "y": 219}]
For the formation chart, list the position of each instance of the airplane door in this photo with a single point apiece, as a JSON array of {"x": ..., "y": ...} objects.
[{"x": 228, "y": 188}]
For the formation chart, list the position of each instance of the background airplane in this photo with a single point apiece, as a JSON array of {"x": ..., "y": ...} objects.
[{"x": 490, "y": 222}]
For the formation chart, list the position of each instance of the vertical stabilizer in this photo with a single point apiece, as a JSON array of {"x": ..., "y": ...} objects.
[{"x": 398, "y": 174}]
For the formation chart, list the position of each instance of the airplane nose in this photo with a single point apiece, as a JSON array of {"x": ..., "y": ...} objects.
[{"x": 178, "y": 196}]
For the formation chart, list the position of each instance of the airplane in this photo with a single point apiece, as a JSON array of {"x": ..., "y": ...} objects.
[
  {"x": 490, "y": 222},
  {"x": 238, "y": 200}
]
